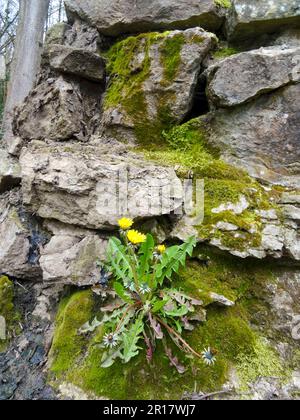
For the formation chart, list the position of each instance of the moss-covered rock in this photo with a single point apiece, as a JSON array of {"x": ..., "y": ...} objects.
[
  {"x": 152, "y": 82},
  {"x": 7, "y": 310},
  {"x": 231, "y": 197}
]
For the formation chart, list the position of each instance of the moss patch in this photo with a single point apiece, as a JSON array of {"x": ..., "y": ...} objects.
[
  {"x": 7, "y": 309},
  {"x": 67, "y": 344},
  {"x": 171, "y": 57},
  {"x": 224, "y": 3},
  {"x": 187, "y": 148},
  {"x": 127, "y": 77},
  {"x": 129, "y": 66},
  {"x": 226, "y": 52},
  {"x": 265, "y": 362}
]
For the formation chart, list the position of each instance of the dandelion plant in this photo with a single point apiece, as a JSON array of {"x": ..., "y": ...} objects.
[{"x": 147, "y": 309}]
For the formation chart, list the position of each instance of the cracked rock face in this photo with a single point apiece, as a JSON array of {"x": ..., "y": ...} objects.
[
  {"x": 9, "y": 171},
  {"x": 77, "y": 185},
  {"x": 244, "y": 76},
  {"x": 72, "y": 256},
  {"x": 77, "y": 62},
  {"x": 263, "y": 136},
  {"x": 249, "y": 18},
  {"x": 20, "y": 241},
  {"x": 113, "y": 18},
  {"x": 58, "y": 110}
]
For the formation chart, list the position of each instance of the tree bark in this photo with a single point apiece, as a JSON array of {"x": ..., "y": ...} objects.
[{"x": 27, "y": 56}]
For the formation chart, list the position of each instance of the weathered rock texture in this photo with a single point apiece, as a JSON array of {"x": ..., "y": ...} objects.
[
  {"x": 20, "y": 238},
  {"x": 72, "y": 255},
  {"x": 113, "y": 18},
  {"x": 80, "y": 185},
  {"x": 59, "y": 110},
  {"x": 78, "y": 62},
  {"x": 245, "y": 76},
  {"x": 263, "y": 136},
  {"x": 153, "y": 79},
  {"x": 249, "y": 18},
  {"x": 9, "y": 171}
]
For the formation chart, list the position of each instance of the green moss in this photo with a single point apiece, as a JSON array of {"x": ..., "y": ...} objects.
[
  {"x": 225, "y": 52},
  {"x": 7, "y": 309},
  {"x": 187, "y": 148},
  {"x": 224, "y": 3},
  {"x": 264, "y": 362},
  {"x": 67, "y": 343},
  {"x": 127, "y": 77},
  {"x": 77, "y": 360},
  {"x": 129, "y": 66},
  {"x": 171, "y": 57}
]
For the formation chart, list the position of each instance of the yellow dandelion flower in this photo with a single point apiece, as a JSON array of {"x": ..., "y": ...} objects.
[
  {"x": 136, "y": 237},
  {"x": 161, "y": 249},
  {"x": 125, "y": 223}
]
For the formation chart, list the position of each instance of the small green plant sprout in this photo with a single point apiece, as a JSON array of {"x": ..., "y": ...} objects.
[{"x": 146, "y": 309}]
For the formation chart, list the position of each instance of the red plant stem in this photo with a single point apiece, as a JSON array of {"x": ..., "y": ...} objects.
[{"x": 179, "y": 338}]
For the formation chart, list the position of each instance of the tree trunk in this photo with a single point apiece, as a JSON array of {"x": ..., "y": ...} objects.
[{"x": 27, "y": 56}]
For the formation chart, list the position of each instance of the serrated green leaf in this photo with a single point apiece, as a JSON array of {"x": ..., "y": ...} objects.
[
  {"x": 146, "y": 256},
  {"x": 122, "y": 293},
  {"x": 131, "y": 338},
  {"x": 119, "y": 262},
  {"x": 173, "y": 258}
]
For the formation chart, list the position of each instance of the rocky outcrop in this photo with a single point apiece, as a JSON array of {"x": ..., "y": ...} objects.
[
  {"x": 275, "y": 232},
  {"x": 154, "y": 84},
  {"x": 250, "y": 18},
  {"x": 82, "y": 185},
  {"x": 118, "y": 117},
  {"x": 113, "y": 18}
]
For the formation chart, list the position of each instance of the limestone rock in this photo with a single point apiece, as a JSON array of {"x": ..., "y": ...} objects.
[
  {"x": 59, "y": 110},
  {"x": 249, "y": 18},
  {"x": 9, "y": 172},
  {"x": 91, "y": 187},
  {"x": 221, "y": 300},
  {"x": 156, "y": 86},
  {"x": 20, "y": 240},
  {"x": 78, "y": 62},
  {"x": 57, "y": 34},
  {"x": 115, "y": 17},
  {"x": 71, "y": 257},
  {"x": 244, "y": 76},
  {"x": 263, "y": 137}
]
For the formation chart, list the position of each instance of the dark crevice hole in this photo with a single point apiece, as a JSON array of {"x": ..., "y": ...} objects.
[{"x": 200, "y": 102}]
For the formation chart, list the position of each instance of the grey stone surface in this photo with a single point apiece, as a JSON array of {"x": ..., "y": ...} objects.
[
  {"x": 79, "y": 185},
  {"x": 262, "y": 136},
  {"x": 71, "y": 257},
  {"x": 59, "y": 109},
  {"x": 243, "y": 77},
  {"x": 9, "y": 171},
  {"x": 250, "y": 18},
  {"x": 115, "y": 17},
  {"x": 174, "y": 97},
  {"x": 20, "y": 240},
  {"x": 78, "y": 62}
]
